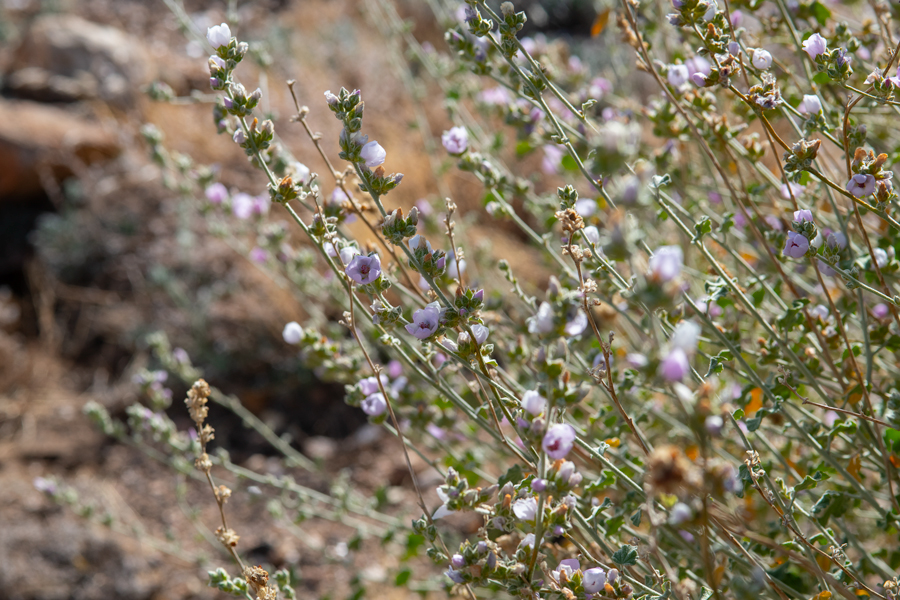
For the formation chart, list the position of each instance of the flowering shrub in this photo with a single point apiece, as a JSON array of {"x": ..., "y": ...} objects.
[{"x": 702, "y": 401}]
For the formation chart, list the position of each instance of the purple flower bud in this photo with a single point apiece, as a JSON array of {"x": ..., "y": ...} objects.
[
  {"x": 880, "y": 311},
  {"x": 674, "y": 366},
  {"x": 441, "y": 262},
  {"x": 861, "y": 185},
  {"x": 292, "y": 333},
  {"x": 364, "y": 269},
  {"x": 457, "y": 561},
  {"x": 455, "y": 140},
  {"x": 815, "y": 45},
  {"x": 481, "y": 548},
  {"x": 239, "y": 136},
  {"x": 373, "y": 154},
  {"x": 594, "y": 580},
  {"x": 612, "y": 575},
  {"x": 455, "y": 576},
  {"x": 216, "y": 193},
  {"x": 559, "y": 440},
  {"x": 330, "y": 98},
  {"x": 803, "y": 215},
  {"x": 698, "y": 64},
  {"x": 242, "y": 205},
  {"x": 258, "y": 255},
  {"x": 796, "y": 245},
  {"x": 698, "y": 79},
  {"x": 369, "y": 385},
  {"x": 374, "y": 405},
  {"x": 552, "y": 156},
  {"x": 218, "y": 35},
  {"x": 666, "y": 263},
  {"x": 478, "y": 296},
  {"x": 44, "y": 485},
  {"x": 181, "y": 356},
  {"x": 539, "y": 485},
  {"x": 425, "y": 321}
]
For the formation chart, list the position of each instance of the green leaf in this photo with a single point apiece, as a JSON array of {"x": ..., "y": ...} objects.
[
  {"x": 738, "y": 414},
  {"x": 820, "y": 12},
  {"x": 523, "y": 148},
  {"x": 892, "y": 438},
  {"x": 625, "y": 556},
  {"x": 821, "y": 78},
  {"x": 702, "y": 227},
  {"x": 831, "y": 504},
  {"x": 402, "y": 577},
  {"x": 809, "y": 482},
  {"x": 569, "y": 163},
  {"x": 636, "y": 518},
  {"x": 513, "y": 475}
]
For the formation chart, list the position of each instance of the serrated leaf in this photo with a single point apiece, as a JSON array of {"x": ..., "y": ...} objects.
[{"x": 625, "y": 556}]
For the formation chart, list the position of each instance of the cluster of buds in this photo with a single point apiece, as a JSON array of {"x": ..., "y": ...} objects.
[
  {"x": 426, "y": 261},
  {"x": 691, "y": 12},
  {"x": 348, "y": 107},
  {"x": 478, "y": 25},
  {"x": 151, "y": 383},
  {"x": 835, "y": 62},
  {"x": 560, "y": 479},
  {"x": 467, "y": 347},
  {"x": 870, "y": 177},
  {"x": 238, "y": 102},
  {"x": 396, "y": 228},
  {"x": 766, "y": 96},
  {"x": 573, "y": 583},
  {"x": 804, "y": 237},
  {"x": 385, "y": 314},
  {"x": 285, "y": 191},
  {"x": 257, "y": 137},
  {"x": 510, "y": 25},
  {"x": 457, "y": 495},
  {"x": 883, "y": 86},
  {"x": 475, "y": 563},
  {"x": 800, "y": 157},
  {"x": 229, "y": 52}
]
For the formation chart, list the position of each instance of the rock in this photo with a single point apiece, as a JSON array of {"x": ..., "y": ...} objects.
[
  {"x": 35, "y": 137},
  {"x": 63, "y": 58}
]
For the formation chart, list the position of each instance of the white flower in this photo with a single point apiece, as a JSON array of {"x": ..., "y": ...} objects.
[
  {"x": 218, "y": 35},
  {"x": 678, "y": 75},
  {"x": 373, "y": 154},
  {"x": 762, "y": 59},
  {"x": 811, "y": 105},
  {"x": 591, "y": 234},
  {"x": 686, "y": 336},
  {"x": 533, "y": 402},
  {"x": 525, "y": 509},
  {"x": 292, "y": 333}
]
